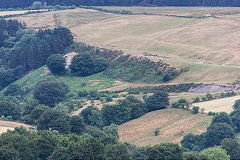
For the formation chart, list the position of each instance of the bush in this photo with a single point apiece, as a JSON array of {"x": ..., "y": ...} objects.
[
  {"x": 196, "y": 99},
  {"x": 57, "y": 64},
  {"x": 156, "y": 132},
  {"x": 109, "y": 99},
  {"x": 50, "y": 93},
  {"x": 82, "y": 93},
  {"x": 85, "y": 65},
  {"x": 195, "y": 110},
  {"x": 236, "y": 105}
]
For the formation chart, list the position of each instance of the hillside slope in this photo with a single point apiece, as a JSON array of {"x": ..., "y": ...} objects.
[
  {"x": 208, "y": 47},
  {"x": 172, "y": 123}
]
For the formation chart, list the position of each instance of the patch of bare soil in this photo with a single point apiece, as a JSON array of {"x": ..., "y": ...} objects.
[
  {"x": 69, "y": 58},
  {"x": 211, "y": 88},
  {"x": 8, "y": 125}
]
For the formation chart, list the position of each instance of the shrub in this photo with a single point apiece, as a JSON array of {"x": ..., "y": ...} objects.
[
  {"x": 236, "y": 105},
  {"x": 209, "y": 96},
  {"x": 156, "y": 132},
  {"x": 82, "y": 93},
  {"x": 195, "y": 110},
  {"x": 109, "y": 99},
  {"x": 57, "y": 64},
  {"x": 196, "y": 99}
]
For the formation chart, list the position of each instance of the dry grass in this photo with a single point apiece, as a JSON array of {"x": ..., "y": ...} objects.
[
  {"x": 6, "y": 13},
  {"x": 8, "y": 125},
  {"x": 173, "y": 125},
  {"x": 218, "y": 105},
  {"x": 209, "y": 47}
]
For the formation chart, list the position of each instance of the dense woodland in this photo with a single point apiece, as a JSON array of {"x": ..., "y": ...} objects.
[{"x": 27, "y": 3}]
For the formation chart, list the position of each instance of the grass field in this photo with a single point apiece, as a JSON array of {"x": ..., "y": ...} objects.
[
  {"x": 75, "y": 84},
  {"x": 207, "y": 46},
  {"x": 218, "y": 105},
  {"x": 173, "y": 125}
]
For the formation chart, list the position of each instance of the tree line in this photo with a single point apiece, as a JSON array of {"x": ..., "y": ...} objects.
[
  {"x": 22, "y": 50},
  {"x": 27, "y": 3}
]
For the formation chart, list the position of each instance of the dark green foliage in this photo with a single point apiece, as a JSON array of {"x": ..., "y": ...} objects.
[
  {"x": 77, "y": 125},
  {"x": 193, "y": 156},
  {"x": 209, "y": 96},
  {"x": 92, "y": 116},
  {"x": 13, "y": 90},
  {"x": 216, "y": 132},
  {"x": 95, "y": 132},
  {"x": 156, "y": 132},
  {"x": 36, "y": 113},
  {"x": 164, "y": 151},
  {"x": 178, "y": 88},
  {"x": 56, "y": 64},
  {"x": 46, "y": 144},
  {"x": 197, "y": 99},
  {"x": 181, "y": 103},
  {"x": 236, "y": 105},
  {"x": 117, "y": 152},
  {"x": 8, "y": 28},
  {"x": 88, "y": 148},
  {"x": 215, "y": 154},
  {"x": 50, "y": 93},
  {"x": 83, "y": 93},
  {"x": 9, "y": 109},
  {"x": 111, "y": 130},
  {"x": 20, "y": 145},
  {"x": 84, "y": 65},
  {"x": 235, "y": 117},
  {"x": 232, "y": 147},
  {"x": 222, "y": 118},
  {"x": 54, "y": 120},
  {"x": 194, "y": 142},
  {"x": 60, "y": 153},
  {"x": 157, "y": 101},
  {"x": 195, "y": 110},
  {"x": 138, "y": 153},
  {"x": 125, "y": 110},
  {"x": 33, "y": 48},
  {"x": 139, "y": 69},
  {"x": 9, "y": 153}
]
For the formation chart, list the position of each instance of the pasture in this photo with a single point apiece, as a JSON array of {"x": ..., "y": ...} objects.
[
  {"x": 172, "y": 123},
  {"x": 207, "y": 46},
  {"x": 218, "y": 105}
]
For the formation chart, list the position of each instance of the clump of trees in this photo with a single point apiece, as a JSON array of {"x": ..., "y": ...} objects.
[
  {"x": 50, "y": 93},
  {"x": 56, "y": 64},
  {"x": 84, "y": 65}
]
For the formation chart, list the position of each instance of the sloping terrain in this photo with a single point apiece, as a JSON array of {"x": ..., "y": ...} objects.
[
  {"x": 8, "y": 125},
  {"x": 208, "y": 47},
  {"x": 218, "y": 105},
  {"x": 172, "y": 123}
]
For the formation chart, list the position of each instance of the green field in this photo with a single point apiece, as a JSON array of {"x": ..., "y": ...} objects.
[{"x": 75, "y": 84}]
